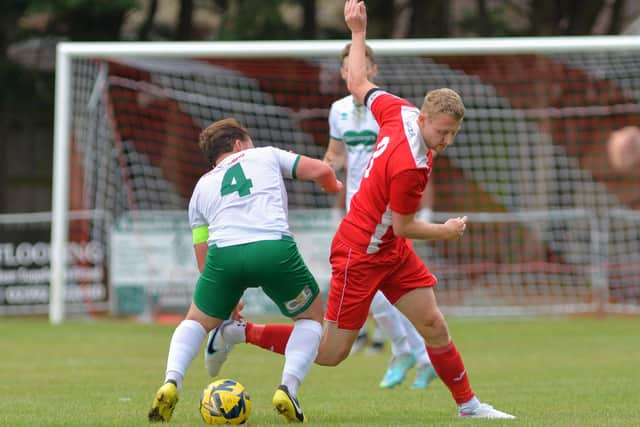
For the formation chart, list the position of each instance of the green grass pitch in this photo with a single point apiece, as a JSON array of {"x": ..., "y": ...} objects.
[{"x": 548, "y": 372}]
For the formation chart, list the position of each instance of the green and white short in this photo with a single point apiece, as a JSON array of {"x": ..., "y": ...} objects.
[{"x": 274, "y": 265}]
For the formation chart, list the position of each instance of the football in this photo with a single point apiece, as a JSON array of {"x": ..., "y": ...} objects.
[{"x": 225, "y": 401}]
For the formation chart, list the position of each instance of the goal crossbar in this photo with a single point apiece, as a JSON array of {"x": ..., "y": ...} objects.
[{"x": 314, "y": 48}]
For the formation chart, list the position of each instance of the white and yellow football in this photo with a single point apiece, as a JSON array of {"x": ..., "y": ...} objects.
[{"x": 225, "y": 401}]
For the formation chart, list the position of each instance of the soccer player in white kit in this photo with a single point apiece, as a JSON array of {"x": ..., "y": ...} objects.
[
  {"x": 353, "y": 132},
  {"x": 238, "y": 217}
]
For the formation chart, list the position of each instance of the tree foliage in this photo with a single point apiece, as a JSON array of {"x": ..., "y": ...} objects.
[
  {"x": 11, "y": 12},
  {"x": 271, "y": 19},
  {"x": 85, "y": 19},
  {"x": 254, "y": 20}
]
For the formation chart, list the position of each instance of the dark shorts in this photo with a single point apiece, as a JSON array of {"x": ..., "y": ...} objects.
[{"x": 274, "y": 265}]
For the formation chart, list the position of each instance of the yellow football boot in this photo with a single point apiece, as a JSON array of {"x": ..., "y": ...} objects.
[
  {"x": 164, "y": 403},
  {"x": 288, "y": 406}
]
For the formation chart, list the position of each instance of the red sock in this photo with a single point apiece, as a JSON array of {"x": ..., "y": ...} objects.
[
  {"x": 271, "y": 337},
  {"x": 450, "y": 368}
]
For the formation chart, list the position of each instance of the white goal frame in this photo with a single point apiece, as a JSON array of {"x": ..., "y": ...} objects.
[{"x": 67, "y": 51}]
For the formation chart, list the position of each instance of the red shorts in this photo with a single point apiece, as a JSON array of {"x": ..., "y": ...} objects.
[{"x": 356, "y": 276}]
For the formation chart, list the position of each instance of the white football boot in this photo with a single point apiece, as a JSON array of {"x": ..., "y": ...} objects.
[
  {"x": 217, "y": 348},
  {"x": 484, "y": 410}
]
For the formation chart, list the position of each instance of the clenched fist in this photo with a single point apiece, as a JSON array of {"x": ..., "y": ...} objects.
[{"x": 455, "y": 227}]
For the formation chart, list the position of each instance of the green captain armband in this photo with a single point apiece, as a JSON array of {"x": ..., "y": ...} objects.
[{"x": 200, "y": 234}]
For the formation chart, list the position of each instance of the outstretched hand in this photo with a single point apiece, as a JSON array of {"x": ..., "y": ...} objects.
[{"x": 355, "y": 15}]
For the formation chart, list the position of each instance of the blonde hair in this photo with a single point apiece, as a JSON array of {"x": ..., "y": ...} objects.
[{"x": 443, "y": 100}]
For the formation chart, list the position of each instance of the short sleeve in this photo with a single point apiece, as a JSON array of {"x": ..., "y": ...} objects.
[
  {"x": 406, "y": 190},
  {"x": 384, "y": 106},
  {"x": 287, "y": 161},
  {"x": 334, "y": 128},
  {"x": 196, "y": 218}
]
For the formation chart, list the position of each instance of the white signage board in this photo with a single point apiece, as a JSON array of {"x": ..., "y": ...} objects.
[{"x": 155, "y": 251}]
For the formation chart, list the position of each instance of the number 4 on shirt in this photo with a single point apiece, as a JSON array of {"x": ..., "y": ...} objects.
[{"x": 234, "y": 180}]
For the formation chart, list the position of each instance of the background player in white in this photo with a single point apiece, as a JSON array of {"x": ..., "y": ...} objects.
[
  {"x": 238, "y": 216},
  {"x": 353, "y": 132}
]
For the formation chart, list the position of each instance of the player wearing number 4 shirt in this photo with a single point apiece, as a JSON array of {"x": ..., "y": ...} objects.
[
  {"x": 370, "y": 251},
  {"x": 238, "y": 215}
]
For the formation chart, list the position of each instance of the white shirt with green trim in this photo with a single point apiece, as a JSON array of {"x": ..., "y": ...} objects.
[
  {"x": 244, "y": 199},
  {"x": 355, "y": 126}
]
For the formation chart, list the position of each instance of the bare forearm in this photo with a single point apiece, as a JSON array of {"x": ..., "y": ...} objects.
[
  {"x": 355, "y": 15},
  {"x": 408, "y": 226},
  {"x": 335, "y": 155},
  {"x": 357, "y": 78},
  {"x": 422, "y": 231}
]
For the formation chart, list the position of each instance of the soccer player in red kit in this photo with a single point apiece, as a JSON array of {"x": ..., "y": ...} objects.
[{"x": 371, "y": 250}]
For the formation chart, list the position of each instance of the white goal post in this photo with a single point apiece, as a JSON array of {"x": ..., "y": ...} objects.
[{"x": 540, "y": 188}]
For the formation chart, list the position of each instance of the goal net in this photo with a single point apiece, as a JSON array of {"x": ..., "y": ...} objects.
[{"x": 552, "y": 227}]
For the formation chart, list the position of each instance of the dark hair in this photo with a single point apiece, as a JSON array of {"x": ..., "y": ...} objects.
[{"x": 219, "y": 137}]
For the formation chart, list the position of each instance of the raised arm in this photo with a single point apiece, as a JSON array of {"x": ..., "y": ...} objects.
[
  {"x": 316, "y": 170},
  {"x": 355, "y": 15}
]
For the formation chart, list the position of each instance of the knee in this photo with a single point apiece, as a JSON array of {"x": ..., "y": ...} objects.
[
  {"x": 430, "y": 323},
  {"x": 436, "y": 329},
  {"x": 437, "y": 321},
  {"x": 207, "y": 322},
  {"x": 331, "y": 358}
]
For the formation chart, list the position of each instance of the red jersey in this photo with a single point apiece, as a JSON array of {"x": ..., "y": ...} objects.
[{"x": 394, "y": 178}]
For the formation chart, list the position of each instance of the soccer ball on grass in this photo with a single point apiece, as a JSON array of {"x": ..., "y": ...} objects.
[{"x": 225, "y": 401}]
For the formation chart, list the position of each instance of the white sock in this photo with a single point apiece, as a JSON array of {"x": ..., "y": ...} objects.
[
  {"x": 301, "y": 351},
  {"x": 363, "y": 332},
  {"x": 416, "y": 342},
  {"x": 470, "y": 405},
  {"x": 235, "y": 332},
  {"x": 390, "y": 322},
  {"x": 185, "y": 345},
  {"x": 378, "y": 335}
]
